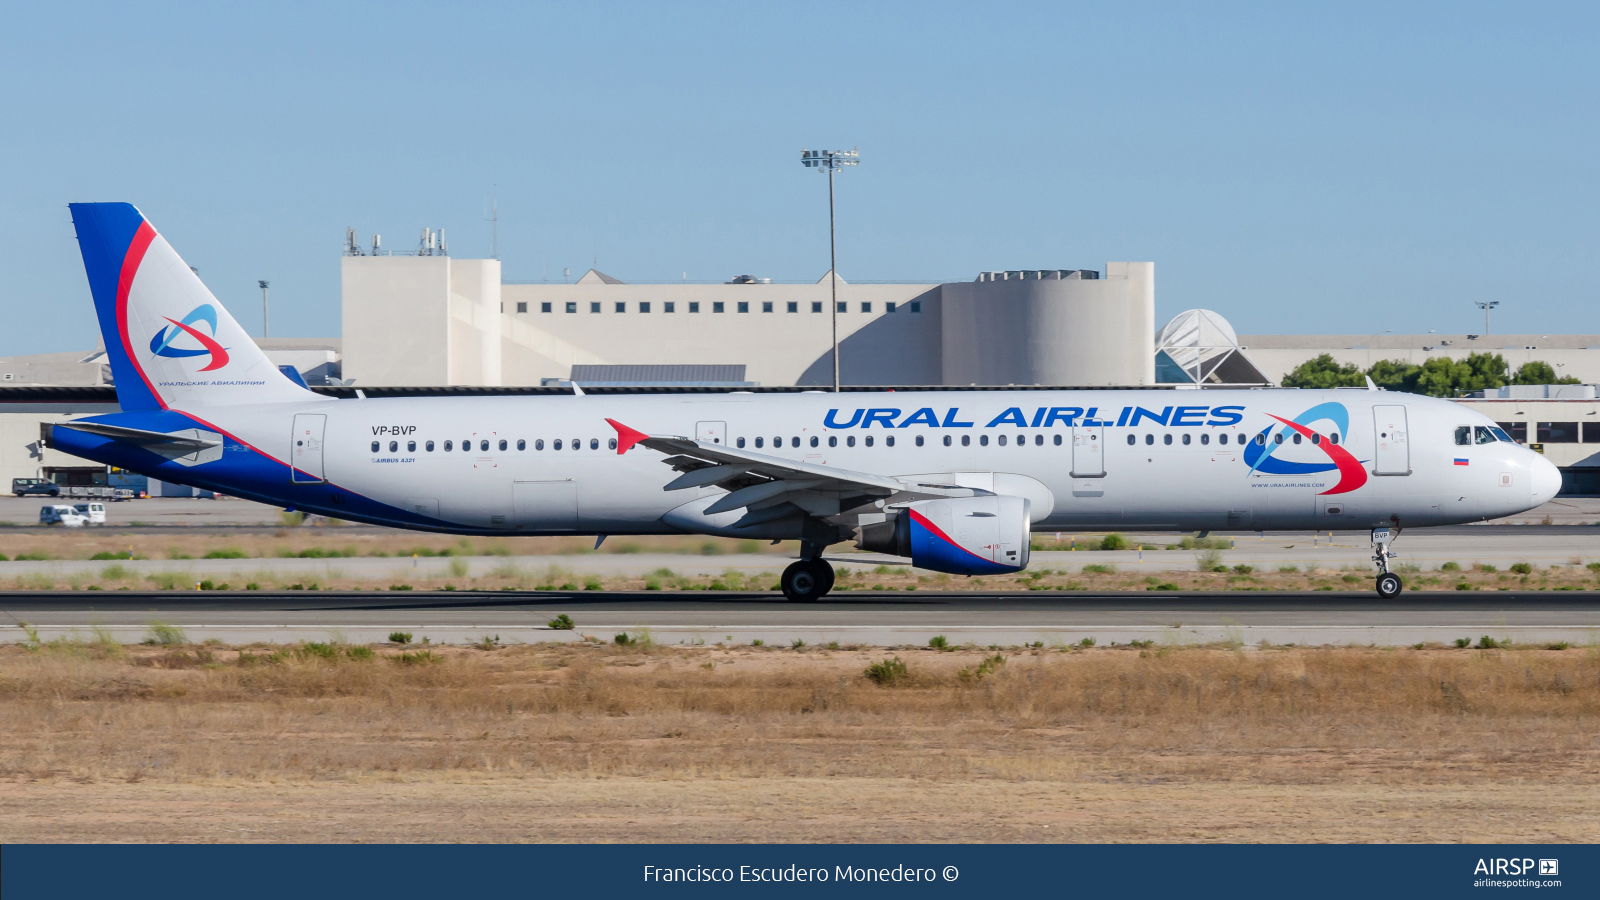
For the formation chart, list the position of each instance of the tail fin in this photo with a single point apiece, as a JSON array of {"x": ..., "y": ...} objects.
[{"x": 171, "y": 344}]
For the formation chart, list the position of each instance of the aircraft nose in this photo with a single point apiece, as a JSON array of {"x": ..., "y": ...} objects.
[{"x": 1546, "y": 480}]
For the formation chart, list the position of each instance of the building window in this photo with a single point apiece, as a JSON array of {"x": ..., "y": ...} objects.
[
  {"x": 594, "y": 307},
  {"x": 889, "y": 307},
  {"x": 572, "y": 307},
  {"x": 843, "y": 306},
  {"x": 544, "y": 307},
  {"x": 522, "y": 445},
  {"x": 793, "y": 306},
  {"x": 694, "y": 306},
  {"x": 1557, "y": 432},
  {"x": 716, "y": 306},
  {"x": 866, "y": 307},
  {"x": 816, "y": 307},
  {"x": 766, "y": 306},
  {"x": 644, "y": 307},
  {"x": 522, "y": 306},
  {"x": 669, "y": 306},
  {"x": 916, "y": 306},
  {"x": 744, "y": 307},
  {"x": 622, "y": 307},
  {"x": 429, "y": 445},
  {"x": 1591, "y": 432}
]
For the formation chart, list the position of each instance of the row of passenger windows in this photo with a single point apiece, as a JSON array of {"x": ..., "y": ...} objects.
[
  {"x": 502, "y": 444},
  {"x": 1260, "y": 439},
  {"x": 888, "y": 441},
  {"x": 717, "y": 306}
]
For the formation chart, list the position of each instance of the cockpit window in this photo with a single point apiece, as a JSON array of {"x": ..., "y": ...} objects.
[
  {"x": 1463, "y": 435},
  {"x": 1500, "y": 433},
  {"x": 1484, "y": 435}
]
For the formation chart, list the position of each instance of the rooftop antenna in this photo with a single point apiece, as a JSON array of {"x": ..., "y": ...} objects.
[
  {"x": 377, "y": 242},
  {"x": 351, "y": 248},
  {"x": 494, "y": 226}
]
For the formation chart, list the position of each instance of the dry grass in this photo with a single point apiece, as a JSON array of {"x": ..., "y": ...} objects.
[{"x": 1202, "y": 728}]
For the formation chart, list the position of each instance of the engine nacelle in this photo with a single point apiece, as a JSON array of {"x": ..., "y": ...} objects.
[{"x": 962, "y": 536}]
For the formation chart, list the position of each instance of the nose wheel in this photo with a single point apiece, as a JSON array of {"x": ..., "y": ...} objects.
[
  {"x": 1389, "y": 584},
  {"x": 807, "y": 580}
]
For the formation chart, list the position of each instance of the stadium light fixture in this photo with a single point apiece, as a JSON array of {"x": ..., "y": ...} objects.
[
  {"x": 831, "y": 161},
  {"x": 1486, "y": 305}
]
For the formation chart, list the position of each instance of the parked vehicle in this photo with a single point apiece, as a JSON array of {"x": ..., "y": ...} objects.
[
  {"x": 93, "y": 513},
  {"x": 61, "y": 515},
  {"x": 23, "y": 487},
  {"x": 100, "y": 492}
]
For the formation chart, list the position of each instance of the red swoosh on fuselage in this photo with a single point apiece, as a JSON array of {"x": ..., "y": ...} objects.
[
  {"x": 1351, "y": 473},
  {"x": 219, "y": 355}
]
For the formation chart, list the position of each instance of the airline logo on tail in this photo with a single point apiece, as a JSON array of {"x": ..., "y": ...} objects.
[{"x": 161, "y": 344}]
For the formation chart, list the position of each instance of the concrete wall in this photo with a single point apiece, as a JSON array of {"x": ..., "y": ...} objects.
[
  {"x": 396, "y": 319},
  {"x": 21, "y": 454},
  {"x": 1067, "y": 331}
]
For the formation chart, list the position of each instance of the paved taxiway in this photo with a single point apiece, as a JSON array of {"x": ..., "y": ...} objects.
[{"x": 851, "y": 618}]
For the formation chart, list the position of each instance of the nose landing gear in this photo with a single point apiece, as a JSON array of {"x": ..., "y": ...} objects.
[{"x": 1389, "y": 584}]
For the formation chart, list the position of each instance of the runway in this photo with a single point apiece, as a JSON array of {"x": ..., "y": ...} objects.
[{"x": 866, "y": 618}]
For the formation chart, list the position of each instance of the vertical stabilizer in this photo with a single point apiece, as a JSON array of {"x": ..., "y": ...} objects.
[{"x": 171, "y": 344}]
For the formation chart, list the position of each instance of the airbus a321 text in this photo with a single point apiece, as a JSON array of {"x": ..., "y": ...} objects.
[{"x": 954, "y": 481}]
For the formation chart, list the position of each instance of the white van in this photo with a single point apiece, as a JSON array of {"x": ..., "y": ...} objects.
[
  {"x": 93, "y": 512},
  {"x": 60, "y": 515}
]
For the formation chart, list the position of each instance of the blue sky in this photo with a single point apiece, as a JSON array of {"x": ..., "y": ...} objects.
[{"x": 1340, "y": 168}]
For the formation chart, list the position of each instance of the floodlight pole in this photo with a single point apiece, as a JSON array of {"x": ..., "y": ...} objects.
[
  {"x": 1487, "y": 305},
  {"x": 831, "y": 161},
  {"x": 266, "y": 328}
]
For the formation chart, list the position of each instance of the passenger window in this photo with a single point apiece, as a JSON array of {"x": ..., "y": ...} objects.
[
  {"x": 1002, "y": 440},
  {"x": 594, "y": 443},
  {"x": 1316, "y": 438},
  {"x": 1463, "y": 435},
  {"x": 611, "y": 444},
  {"x": 739, "y": 443},
  {"x": 1204, "y": 439},
  {"x": 411, "y": 446},
  {"x": 448, "y": 446},
  {"x": 537, "y": 444},
  {"x": 1149, "y": 439},
  {"x": 758, "y": 442},
  {"x": 983, "y": 440},
  {"x": 556, "y": 444},
  {"x": 374, "y": 446},
  {"x": 1038, "y": 440},
  {"x": 1261, "y": 440},
  {"x": 966, "y": 440},
  {"x": 1187, "y": 438},
  {"x": 833, "y": 440},
  {"x": 466, "y": 445},
  {"x": 919, "y": 440},
  {"x": 889, "y": 441},
  {"x": 1277, "y": 438},
  {"x": 947, "y": 440},
  {"x": 1297, "y": 437},
  {"x": 1483, "y": 435},
  {"x": 483, "y": 446},
  {"x": 1058, "y": 440},
  {"x": 1167, "y": 439},
  {"x": 850, "y": 441},
  {"x": 429, "y": 445},
  {"x": 577, "y": 443},
  {"x": 502, "y": 444},
  {"x": 522, "y": 444},
  {"x": 394, "y": 446},
  {"x": 1334, "y": 437},
  {"x": 1132, "y": 440},
  {"x": 869, "y": 440}
]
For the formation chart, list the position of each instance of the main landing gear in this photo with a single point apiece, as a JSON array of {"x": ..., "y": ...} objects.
[
  {"x": 807, "y": 580},
  {"x": 1389, "y": 584}
]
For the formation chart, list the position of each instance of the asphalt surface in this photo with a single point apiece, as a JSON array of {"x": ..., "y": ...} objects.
[{"x": 869, "y": 618}]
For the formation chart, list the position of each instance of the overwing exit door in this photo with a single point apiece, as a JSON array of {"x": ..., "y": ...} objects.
[
  {"x": 305, "y": 449},
  {"x": 1393, "y": 451}
]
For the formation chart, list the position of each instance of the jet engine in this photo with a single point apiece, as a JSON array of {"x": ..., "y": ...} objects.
[{"x": 985, "y": 535}]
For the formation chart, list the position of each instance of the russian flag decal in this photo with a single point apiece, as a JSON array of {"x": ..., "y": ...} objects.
[{"x": 1460, "y": 461}]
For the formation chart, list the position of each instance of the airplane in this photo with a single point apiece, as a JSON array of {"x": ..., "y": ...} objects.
[{"x": 953, "y": 481}]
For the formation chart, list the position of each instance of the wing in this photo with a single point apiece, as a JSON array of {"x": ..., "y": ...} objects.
[{"x": 770, "y": 487}]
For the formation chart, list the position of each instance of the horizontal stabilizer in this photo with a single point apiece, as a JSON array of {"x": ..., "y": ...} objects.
[{"x": 136, "y": 436}]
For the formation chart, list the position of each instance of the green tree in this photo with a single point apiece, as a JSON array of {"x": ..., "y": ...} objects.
[
  {"x": 1323, "y": 372},
  {"x": 1446, "y": 377},
  {"x": 1395, "y": 375},
  {"x": 1537, "y": 372}
]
